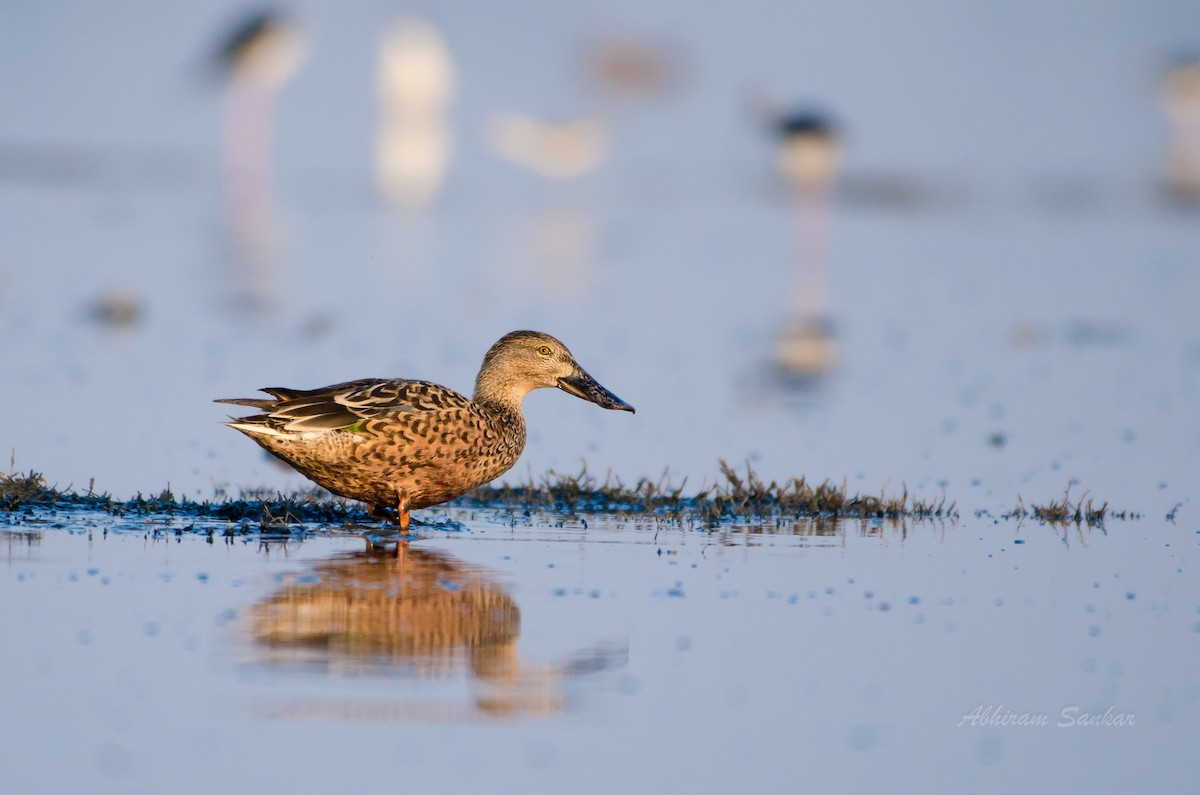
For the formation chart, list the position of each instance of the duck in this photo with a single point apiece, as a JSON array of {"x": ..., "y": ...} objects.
[{"x": 401, "y": 444}]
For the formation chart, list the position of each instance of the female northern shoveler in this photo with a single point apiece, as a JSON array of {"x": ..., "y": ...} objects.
[{"x": 412, "y": 444}]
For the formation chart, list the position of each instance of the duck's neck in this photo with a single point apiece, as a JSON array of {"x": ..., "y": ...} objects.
[{"x": 502, "y": 394}]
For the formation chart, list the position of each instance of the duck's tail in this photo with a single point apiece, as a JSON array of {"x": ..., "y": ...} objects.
[
  {"x": 256, "y": 425},
  {"x": 258, "y": 403}
]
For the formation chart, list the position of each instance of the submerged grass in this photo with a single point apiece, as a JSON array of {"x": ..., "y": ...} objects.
[
  {"x": 1067, "y": 511},
  {"x": 737, "y": 497},
  {"x": 269, "y": 510}
]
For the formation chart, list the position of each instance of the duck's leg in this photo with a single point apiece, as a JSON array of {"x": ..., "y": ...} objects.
[{"x": 403, "y": 506}]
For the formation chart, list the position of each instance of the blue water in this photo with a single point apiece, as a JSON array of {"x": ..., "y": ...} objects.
[
  {"x": 1013, "y": 303},
  {"x": 616, "y": 657}
]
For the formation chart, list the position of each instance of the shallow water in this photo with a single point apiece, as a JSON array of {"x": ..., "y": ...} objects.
[{"x": 613, "y": 657}]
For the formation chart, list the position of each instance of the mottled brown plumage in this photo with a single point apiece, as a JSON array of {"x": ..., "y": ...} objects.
[{"x": 412, "y": 444}]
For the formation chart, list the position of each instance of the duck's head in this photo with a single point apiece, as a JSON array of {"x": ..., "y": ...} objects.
[{"x": 522, "y": 361}]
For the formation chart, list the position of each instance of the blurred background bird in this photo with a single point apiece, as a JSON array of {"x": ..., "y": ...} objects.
[
  {"x": 1181, "y": 96},
  {"x": 415, "y": 86},
  {"x": 808, "y": 158},
  {"x": 258, "y": 56}
]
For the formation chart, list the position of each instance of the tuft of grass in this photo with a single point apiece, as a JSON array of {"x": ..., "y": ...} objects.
[
  {"x": 1065, "y": 510},
  {"x": 270, "y": 510},
  {"x": 25, "y": 489},
  {"x": 737, "y": 497}
]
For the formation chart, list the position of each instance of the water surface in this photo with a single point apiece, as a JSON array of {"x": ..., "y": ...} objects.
[{"x": 618, "y": 656}]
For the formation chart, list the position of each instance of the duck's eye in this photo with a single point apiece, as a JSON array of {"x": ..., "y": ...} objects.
[{"x": 544, "y": 350}]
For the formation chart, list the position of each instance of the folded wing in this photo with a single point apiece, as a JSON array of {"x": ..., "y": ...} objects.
[{"x": 350, "y": 406}]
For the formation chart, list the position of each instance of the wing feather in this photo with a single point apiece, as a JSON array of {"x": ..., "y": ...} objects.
[{"x": 344, "y": 405}]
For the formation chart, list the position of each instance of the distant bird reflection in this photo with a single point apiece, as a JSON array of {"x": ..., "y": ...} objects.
[
  {"x": 560, "y": 150},
  {"x": 1181, "y": 95},
  {"x": 258, "y": 57},
  {"x": 808, "y": 160},
  {"x": 415, "y": 84},
  {"x": 411, "y": 613}
]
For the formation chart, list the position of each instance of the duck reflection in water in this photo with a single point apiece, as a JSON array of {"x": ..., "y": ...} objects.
[{"x": 413, "y": 613}]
